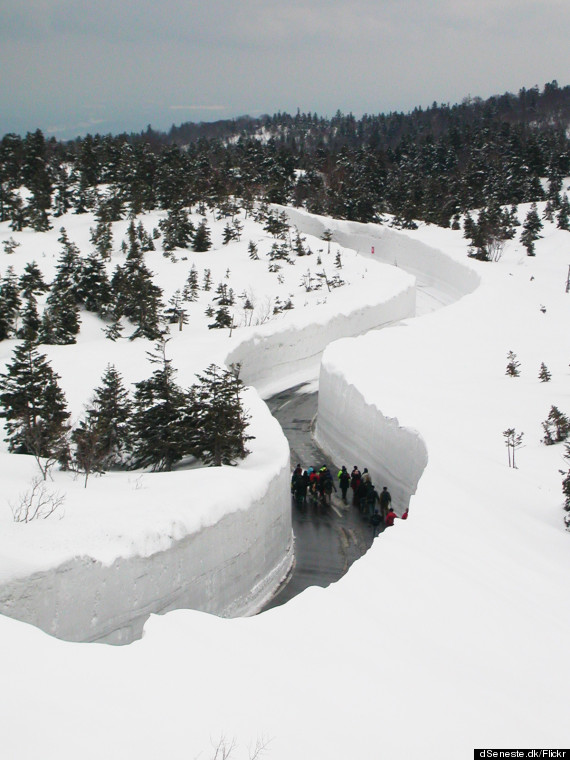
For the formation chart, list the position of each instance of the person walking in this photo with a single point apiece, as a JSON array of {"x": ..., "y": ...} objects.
[
  {"x": 385, "y": 502},
  {"x": 344, "y": 481},
  {"x": 355, "y": 478},
  {"x": 390, "y": 517}
]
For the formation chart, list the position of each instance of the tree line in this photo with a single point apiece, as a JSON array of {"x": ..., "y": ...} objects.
[
  {"x": 159, "y": 426},
  {"x": 430, "y": 164}
]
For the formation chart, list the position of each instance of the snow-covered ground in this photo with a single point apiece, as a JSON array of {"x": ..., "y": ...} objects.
[
  {"x": 450, "y": 633},
  {"x": 218, "y": 540}
]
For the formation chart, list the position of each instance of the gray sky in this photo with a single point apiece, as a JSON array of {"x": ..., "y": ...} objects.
[{"x": 77, "y": 66}]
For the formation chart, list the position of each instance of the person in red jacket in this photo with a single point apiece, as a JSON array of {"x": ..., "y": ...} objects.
[{"x": 390, "y": 517}]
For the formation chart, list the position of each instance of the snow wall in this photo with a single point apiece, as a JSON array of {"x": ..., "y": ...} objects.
[
  {"x": 431, "y": 265},
  {"x": 229, "y": 568},
  {"x": 275, "y": 355},
  {"x": 349, "y": 429}
]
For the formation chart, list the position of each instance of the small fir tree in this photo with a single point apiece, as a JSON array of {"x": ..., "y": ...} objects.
[
  {"x": 556, "y": 427},
  {"x": 103, "y": 438},
  {"x": 201, "y": 240},
  {"x": 512, "y": 365},
  {"x": 192, "y": 286},
  {"x": 563, "y": 218},
  {"x": 544, "y": 375},
  {"x": 252, "y": 251},
  {"x": 161, "y": 420},
  {"x": 531, "y": 230},
  {"x": 220, "y": 417}
]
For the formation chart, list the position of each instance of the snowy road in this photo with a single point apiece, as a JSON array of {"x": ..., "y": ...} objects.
[{"x": 326, "y": 544}]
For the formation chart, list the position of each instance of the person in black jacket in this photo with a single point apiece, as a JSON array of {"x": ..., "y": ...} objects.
[
  {"x": 344, "y": 481},
  {"x": 385, "y": 501}
]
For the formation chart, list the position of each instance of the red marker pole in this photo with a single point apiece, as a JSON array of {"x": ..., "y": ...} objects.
[{"x": 373, "y": 250}]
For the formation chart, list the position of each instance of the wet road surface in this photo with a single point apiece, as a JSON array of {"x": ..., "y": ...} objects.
[{"x": 326, "y": 542}]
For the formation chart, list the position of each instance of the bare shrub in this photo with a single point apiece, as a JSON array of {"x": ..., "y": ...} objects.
[{"x": 38, "y": 503}]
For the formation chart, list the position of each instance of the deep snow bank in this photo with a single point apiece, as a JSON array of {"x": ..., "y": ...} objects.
[
  {"x": 215, "y": 539},
  {"x": 429, "y": 263},
  {"x": 274, "y": 355},
  {"x": 350, "y": 428},
  {"x": 353, "y": 430}
]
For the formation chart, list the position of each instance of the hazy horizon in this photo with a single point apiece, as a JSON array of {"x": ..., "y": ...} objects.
[{"x": 122, "y": 65}]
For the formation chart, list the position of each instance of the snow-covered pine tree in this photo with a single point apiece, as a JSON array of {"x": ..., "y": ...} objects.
[
  {"x": 201, "y": 240},
  {"x": 192, "y": 286},
  {"x": 10, "y": 303},
  {"x": 531, "y": 230},
  {"x": 252, "y": 251},
  {"x": 102, "y": 238},
  {"x": 512, "y": 365},
  {"x": 30, "y": 323},
  {"x": 33, "y": 406},
  {"x": 60, "y": 323},
  {"x": 162, "y": 419},
  {"x": 94, "y": 287},
  {"x": 229, "y": 234},
  {"x": 32, "y": 281},
  {"x": 136, "y": 296},
  {"x": 223, "y": 319},
  {"x": 177, "y": 229},
  {"x": 207, "y": 283},
  {"x": 10, "y": 246},
  {"x": 563, "y": 218},
  {"x": 175, "y": 313},
  {"x": 556, "y": 426},
  {"x": 544, "y": 374},
  {"x": 220, "y": 417},
  {"x": 103, "y": 438}
]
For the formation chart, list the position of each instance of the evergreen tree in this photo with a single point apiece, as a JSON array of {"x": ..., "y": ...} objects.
[
  {"x": 202, "y": 241},
  {"x": 161, "y": 421},
  {"x": 207, "y": 284},
  {"x": 563, "y": 218},
  {"x": 252, "y": 251},
  {"x": 556, "y": 426},
  {"x": 30, "y": 325},
  {"x": 94, "y": 288},
  {"x": 220, "y": 416},
  {"x": 60, "y": 322},
  {"x": 177, "y": 229},
  {"x": 103, "y": 438},
  {"x": 229, "y": 234},
  {"x": 192, "y": 286},
  {"x": 32, "y": 281},
  {"x": 223, "y": 319},
  {"x": 531, "y": 229},
  {"x": 512, "y": 365},
  {"x": 136, "y": 296},
  {"x": 544, "y": 374},
  {"x": 33, "y": 405},
  {"x": 9, "y": 303},
  {"x": 175, "y": 313},
  {"x": 102, "y": 238}
]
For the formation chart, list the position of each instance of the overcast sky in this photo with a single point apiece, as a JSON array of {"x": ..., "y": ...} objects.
[{"x": 76, "y": 66}]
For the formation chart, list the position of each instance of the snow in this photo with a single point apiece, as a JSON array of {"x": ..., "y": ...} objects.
[
  {"x": 191, "y": 523},
  {"x": 450, "y": 633}
]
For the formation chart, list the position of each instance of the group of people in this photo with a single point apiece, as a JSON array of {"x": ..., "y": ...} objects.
[{"x": 318, "y": 486}]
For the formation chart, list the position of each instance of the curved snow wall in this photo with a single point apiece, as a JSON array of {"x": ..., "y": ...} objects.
[
  {"x": 349, "y": 428},
  {"x": 295, "y": 346},
  {"x": 393, "y": 247},
  {"x": 353, "y": 431},
  {"x": 229, "y": 569}
]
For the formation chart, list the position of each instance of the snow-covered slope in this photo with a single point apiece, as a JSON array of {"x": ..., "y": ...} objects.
[
  {"x": 450, "y": 633},
  {"x": 218, "y": 540}
]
